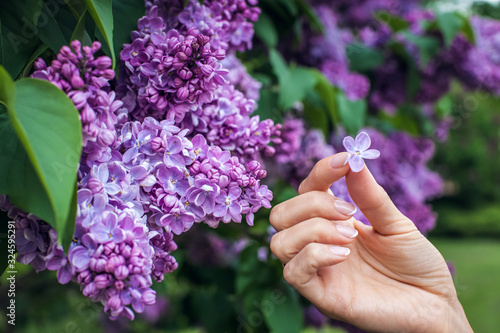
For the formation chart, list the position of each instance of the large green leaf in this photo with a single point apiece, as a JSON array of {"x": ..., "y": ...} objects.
[
  {"x": 295, "y": 82},
  {"x": 396, "y": 23},
  {"x": 282, "y": 310},
  {"x": 49, "y": 31},
  {"x": 450, "y": 25},
  {"x": 49, "y": 129},
  {"x": 19, "y": 20},
  {"x": 102, "y": 13},
  {"x": 428, "y": 47},
  {"x": 362, "y": 58},
  {"x": 266, "y": 31},
  {"x": 352, "y": 113}
]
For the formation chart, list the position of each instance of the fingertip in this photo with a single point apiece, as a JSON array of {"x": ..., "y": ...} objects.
[{"x": 339, "y": 160}]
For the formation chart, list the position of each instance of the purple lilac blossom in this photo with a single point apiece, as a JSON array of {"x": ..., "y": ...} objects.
[
  {"x": 358, "y": 151},
  {"x": 486, "y": 52}
]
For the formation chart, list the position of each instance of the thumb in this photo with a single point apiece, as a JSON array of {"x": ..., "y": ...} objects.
[{"x": 376, "y": 205}]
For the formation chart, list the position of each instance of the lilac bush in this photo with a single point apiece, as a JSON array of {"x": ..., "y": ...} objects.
[{"x": 179, "y": 146}]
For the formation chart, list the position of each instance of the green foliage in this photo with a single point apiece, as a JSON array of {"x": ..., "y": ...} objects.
[
  {"x": 352, "y": 113},
  {"x": 394, "y": 22},
  {"x": 43, "y": 150},
  {"x": 363, "y": 58},
  {"x": 19, "y": 20},
  {"x": 102, "y": 13}
]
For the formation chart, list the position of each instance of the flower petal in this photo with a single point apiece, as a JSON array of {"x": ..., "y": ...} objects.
[
  {"x": 349, "y": 145},
  {"x": 363, "y": 141},
  {"x": 356, "y": 163},
  {"x": 370, "y": 154}
]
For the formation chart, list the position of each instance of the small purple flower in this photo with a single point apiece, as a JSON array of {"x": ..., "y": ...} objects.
[
  {"x": 228, "y": 207},
  {"x": 358, "y": 151},
  {"x": 108, "y": 230}
]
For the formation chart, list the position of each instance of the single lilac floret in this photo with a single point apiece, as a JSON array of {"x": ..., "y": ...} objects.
[{"x": 358, "y": 151}]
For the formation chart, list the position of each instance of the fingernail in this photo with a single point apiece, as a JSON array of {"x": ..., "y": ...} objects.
[
  {"x": 340, "y": 251},
  {"x": 346, "y": 231},
  {"x": 345, "y": 207},
  {"x": 339, "y": 160}
]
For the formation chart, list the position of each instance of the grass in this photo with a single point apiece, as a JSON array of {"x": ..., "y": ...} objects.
[{"x": 477, "y": 279}]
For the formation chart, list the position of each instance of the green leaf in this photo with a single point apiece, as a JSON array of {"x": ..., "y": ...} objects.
[
  {"x": 266, "y": 31},
  {"x": 102, "y": 13},
  {"x": 80, "y": 33},
  {"x": 328, "y": 94},
  {"x": 294, "y": 82},
  {"x": 282, "y": 310},
  {"x": 290, "y": 6},
  {"x": 77, "y": 7},
  {"x": 49, "y": 31},
  {"x": 49, "y": 129},
  {"x": 315, "y": 112},
  {"x": 468, "y": 30},
  {"x": 352, "y": 113},
  {"x": 428, "y": 47},
  {"x": 363, "y": 58},
  {"x": 311, "y": 16},
  {"x": 19, "y": 20},
  {"x": 450, "y": 25},
  {"x": 396, "y": 23},
  {"x": 66, "y": 238}
]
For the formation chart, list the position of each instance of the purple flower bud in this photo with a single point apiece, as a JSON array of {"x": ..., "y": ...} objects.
[
  {"x": 157, "y": 144},
  {"x": 95, "y": 186},
  {"x": 106, "y": 138},
  {"x": 182, "y": 93},
  {"x": 253, "y": 166},
  {"x": 121, "y": 272},
  {"x": 149, "y": 297},
  {"x": 220, "y": 54},
  {"x": 207, "y": 70},
  {"x": 101, "y": 281},
  {"x": 103, "y": 63},
  {"x": 202, "y": 39},
  {"x": 77, "y": 82},
  {"x": 87, "y": 115},
  {"x": 40, "y": 64},
  {"x": 113, "y": 263},
  {"x": 185, "y": 74}
]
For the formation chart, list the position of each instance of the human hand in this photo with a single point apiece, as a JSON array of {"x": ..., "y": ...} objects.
[{"x": 386, "y": 277}]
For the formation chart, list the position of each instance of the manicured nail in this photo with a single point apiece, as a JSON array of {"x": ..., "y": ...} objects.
[
  {"x": 345, "y": 207},
  {"x": 346, "y": 231},
  {"x": 339, "y": 160},
  {"x": 340, "y": 251}
]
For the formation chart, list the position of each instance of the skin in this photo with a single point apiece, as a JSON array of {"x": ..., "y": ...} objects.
[{"x": 393, "y": 279}]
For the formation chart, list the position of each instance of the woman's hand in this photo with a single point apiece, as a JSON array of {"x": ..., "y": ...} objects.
[{"x": 386, "y": 277}]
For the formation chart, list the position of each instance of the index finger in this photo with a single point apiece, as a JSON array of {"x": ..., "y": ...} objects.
[{"x": 325, "y": 173}]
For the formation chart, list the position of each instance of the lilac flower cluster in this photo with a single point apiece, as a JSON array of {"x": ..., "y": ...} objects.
[
  {"x": 178, "y": 74},
  {"x": 85, "y": 79},
  {"x": 228, "y": 23},
  {"x": 167, "y": 74},
  {"x": 327, "y": 52},
  {"x": 487, "y": 53}
]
